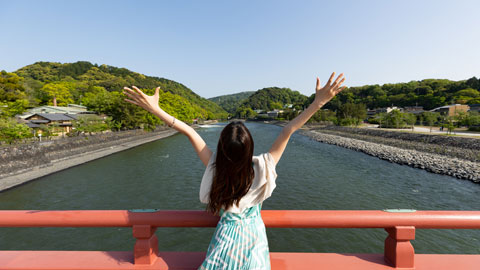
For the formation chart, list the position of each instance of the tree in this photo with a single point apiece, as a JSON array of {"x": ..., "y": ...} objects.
[
  {"x": 460, "y": 117},
  {"x": 395, "y": 119},
  {"x": 10, "y": 109},
  {"x": 326, "y": 116},
  {"x": 379, "y": 118},
  {"x": 472, "y": 121},
  {"x": 11, "y": 87},
  {"x": 410, "y": 119},
  {"x": 464, "y": 96},
  {"x": 450, "y": 124},
  {"x": 89, "y": 123},
  {"x": 245, "y": 112},
  {"x": 351, "y": 114},
  {"x": 430, "y": 118},
  {"x": 47, "y": 130},
  {"x": 61, "y": 91},
  {"x": 11, "y": 131}
]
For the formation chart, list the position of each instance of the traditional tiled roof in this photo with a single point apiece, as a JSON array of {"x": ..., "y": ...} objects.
[
  {"x": 54, "y": 116},
  {"x": 32, "y": 125},
  {"x": 39, "y": 121},
  {"x": 70, "y": 109}
]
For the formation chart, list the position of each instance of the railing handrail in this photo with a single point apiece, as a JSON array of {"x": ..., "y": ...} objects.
[
  {"x": 400, "y": 226},
  {"x": 271, "y": 218}
]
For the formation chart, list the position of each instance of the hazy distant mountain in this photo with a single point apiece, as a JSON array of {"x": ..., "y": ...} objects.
[{"x": 230, "y": 102}]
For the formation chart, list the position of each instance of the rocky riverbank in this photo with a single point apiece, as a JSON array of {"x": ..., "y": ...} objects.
[
  {"x": 428, "y": 156},
  {"x": 450, "y": 146},
  {"x": 20, "y": 164}
]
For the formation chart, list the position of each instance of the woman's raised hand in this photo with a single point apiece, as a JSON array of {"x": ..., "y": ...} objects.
[
  {"x": 137, "y": 97},
  {"x": 329, "y": 90},
  {"x": 150, "y": 103}
]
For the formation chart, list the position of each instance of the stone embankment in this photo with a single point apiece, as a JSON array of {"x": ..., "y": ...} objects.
[
  {"x": 451, "y": 146},
  {"x": 22, "y": 163},
  {"x": 454, "y": 156}
]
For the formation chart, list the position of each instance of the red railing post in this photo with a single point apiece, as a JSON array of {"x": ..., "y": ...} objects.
[
  {"x": 398, "y": 250},
  {"x": 145, "y": 250}
]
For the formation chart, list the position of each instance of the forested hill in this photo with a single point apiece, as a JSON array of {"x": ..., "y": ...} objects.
[
  {"x": 266, "y": 99},
  {"x": 231, "y": 102},
  {"x": 99, "y": 88},
  {"x": 273, "y": 98},
  {"x": 270, "y": 98},
  {"x": 429, "y": 93}
]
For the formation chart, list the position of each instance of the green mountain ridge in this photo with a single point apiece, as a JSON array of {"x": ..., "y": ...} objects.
[
  {"x": 99, "y": 88},
  {"x": 243, "y": 104},
  {"x": 230, "y": 102},
  {"x": 428, "y": 93},
  {"x": 273, "y": 98}
]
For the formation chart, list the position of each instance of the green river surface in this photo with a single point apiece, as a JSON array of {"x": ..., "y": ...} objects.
[{"x": 166, "y": 174}]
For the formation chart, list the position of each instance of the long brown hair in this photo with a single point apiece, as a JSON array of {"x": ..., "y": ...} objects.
[{"x": 233, "y": 174}]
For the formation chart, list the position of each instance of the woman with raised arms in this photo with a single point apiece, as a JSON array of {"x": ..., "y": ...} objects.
[{"x": 235, "y": 182}]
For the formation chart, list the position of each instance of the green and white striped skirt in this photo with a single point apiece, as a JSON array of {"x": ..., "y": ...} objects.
[{"x": 239, "y": 242}]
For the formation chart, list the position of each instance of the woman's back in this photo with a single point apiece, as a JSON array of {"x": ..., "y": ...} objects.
[
  {"x": 239, "y": 242},
  {"x": 263, "y": 182}
]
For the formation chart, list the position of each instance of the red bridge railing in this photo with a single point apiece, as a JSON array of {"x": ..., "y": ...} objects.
[{"x": 398, "y": 252}]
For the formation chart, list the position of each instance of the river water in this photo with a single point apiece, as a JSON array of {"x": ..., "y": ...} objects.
[{"x": 166, "y": 174}]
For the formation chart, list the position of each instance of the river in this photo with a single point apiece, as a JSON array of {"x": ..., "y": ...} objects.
[{"x": 166, "y": 174}]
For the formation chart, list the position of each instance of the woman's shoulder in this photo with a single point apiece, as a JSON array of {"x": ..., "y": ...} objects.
[
  {"x": 264, "y": 160},
  {"x": 264, "y": 166}
]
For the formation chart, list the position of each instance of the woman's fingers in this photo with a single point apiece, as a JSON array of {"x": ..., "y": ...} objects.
[
  {"x": 318, "y": 87},
  {"x": 330, "y": 79},
  {"x": 138, "y": 91},
  {"x": 340, "y": 89},
  {"x": 338, "y": 83},
  {"x": 338, "y": 79},
  {"x": 130, "y": 93},
  {"x": 131, "y": 101},
  {"x": 128, "y": 90},
  {"x": 132, "y": 96},
  {"x": 135, "y": 94}
]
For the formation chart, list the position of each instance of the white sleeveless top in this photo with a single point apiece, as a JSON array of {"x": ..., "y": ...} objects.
[{"x": 262, "y": 186}]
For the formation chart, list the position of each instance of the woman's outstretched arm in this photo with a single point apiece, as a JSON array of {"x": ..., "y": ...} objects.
[
  {"x": 322, "y": 96},
  {"x": 150, "y": 103}
]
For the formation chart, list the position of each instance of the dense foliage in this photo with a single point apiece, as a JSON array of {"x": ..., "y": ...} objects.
[
  {"x": 99, "y": 88},
  {"x": 351, "y": 114},
  {"x": 13, "y": 96},
  {"x": 267, "y": 99},
  {"x": 11, "y": 131},
  {"x": 398, "y": 119},
  {"x": 429, "y": 93},
  {"x": 350, "y": 106},
  {"x": 230, "y": 102},
  {"x": 89, "y": 123}
]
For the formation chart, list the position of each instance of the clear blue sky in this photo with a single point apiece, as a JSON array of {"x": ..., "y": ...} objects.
[{"x": 223, "y": 47}]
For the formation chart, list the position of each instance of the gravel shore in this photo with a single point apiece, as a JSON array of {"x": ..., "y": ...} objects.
[
  {"x": 30, "y": 173},
  {"x": 436, "y": 163}
]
